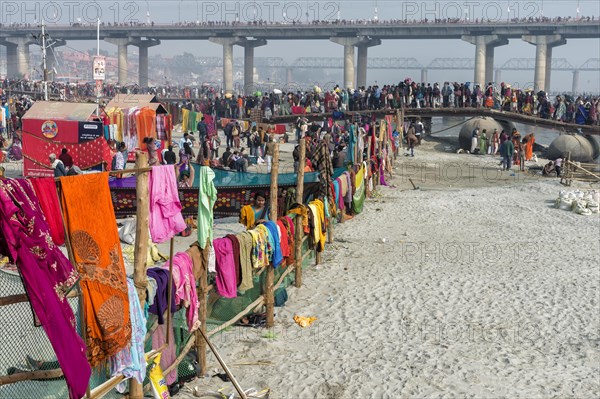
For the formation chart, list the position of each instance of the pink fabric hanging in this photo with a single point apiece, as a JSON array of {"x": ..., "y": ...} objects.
[
  {"x": 185, "y": 287},
  {"x": 165, "y": 209},
  {"x": 226, "y": 278}
]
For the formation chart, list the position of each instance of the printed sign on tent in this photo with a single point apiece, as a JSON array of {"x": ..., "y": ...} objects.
[{"x": 89, "y": 131}]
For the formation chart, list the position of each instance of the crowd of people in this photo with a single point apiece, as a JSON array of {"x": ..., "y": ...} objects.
[
  {"x": 581, "y": 109},
  {"x": 337, "y": 21}
]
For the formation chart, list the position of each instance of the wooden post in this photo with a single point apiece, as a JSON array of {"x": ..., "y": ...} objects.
[
  {"x": 299, "y": 229},
  {"x": 270, "y": 277},
  {"x": 202, "y": 293},
  {"x": 140, "y": 279}
]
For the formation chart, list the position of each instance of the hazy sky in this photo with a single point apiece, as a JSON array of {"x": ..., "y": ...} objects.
[{"x": 577, "y": 51}]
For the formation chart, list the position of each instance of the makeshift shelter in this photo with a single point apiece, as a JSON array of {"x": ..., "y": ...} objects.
[
  {"x": 133, "y": 117},
  {"x": 48, "y": 127}
]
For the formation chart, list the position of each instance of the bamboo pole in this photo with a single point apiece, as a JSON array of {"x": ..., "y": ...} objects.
[
  {"x": 31, "y": 375},
  {"x": 182, "y": 354},
  {"x": 269, "y": 292},
  {"x": 299, "y": 229},
  {"x": 258, "y": 302},
  {"x": 202, "y": 293},
  {"x": 140, "y": 279},
  {"x": 236, "y": 385},
  {"x": 577, "y": 167}
]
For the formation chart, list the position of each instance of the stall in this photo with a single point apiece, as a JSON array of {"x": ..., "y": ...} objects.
[
  {"x": 48, "y": 127},
  {"x": 133, "y": 117}
]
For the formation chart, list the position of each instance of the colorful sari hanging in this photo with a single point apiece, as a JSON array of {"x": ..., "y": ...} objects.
[
  {"x": 47, "y": 276},
  {"x": 92, "y": 230}
]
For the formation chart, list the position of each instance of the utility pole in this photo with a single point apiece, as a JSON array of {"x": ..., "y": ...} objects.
[{"x": 45, "y": 82}]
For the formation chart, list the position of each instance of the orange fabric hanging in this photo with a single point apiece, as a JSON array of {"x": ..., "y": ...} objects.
[
  {"x": 92, "y": 230},
  {"x": 146, "y": 124}
]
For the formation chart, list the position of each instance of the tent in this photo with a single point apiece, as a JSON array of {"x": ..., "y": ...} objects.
[{"x": 48, "y": 127}]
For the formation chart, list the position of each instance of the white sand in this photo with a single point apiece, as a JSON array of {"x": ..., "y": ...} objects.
[{"x": 481, "y": 289}]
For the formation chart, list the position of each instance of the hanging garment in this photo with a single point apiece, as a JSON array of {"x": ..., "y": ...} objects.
[
  {"x": 274, "y": 240},
  {"x": 92, "y": 229},
  {"x": 225, "y": 280},
  {"x": 165, "y": 209},
  {"x": 185, "y": 287},
  {"x": 161, "y": 276},
  {"x": 247, "y": 216},
  {"x": 283, "y": 239},
  {"x": 245, "y": 241},
  {"x": 263, "y": 231},
  {"x": 207, "y": 196},
  {"x": 259, "y": 249},
  {"x": 47, "y": 277},
  {"x": 45, "y": 189},
  {"x": 318, "y": 209},
  {"x": 235, "y": 246},
  {"x": 131, "y": 361},
  {"x": 159, "y": 338}
]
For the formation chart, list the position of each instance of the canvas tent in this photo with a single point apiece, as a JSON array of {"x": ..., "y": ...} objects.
[{"x": 48, "y": 127}]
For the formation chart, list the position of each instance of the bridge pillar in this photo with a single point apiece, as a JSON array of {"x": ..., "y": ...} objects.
[
  {"x": 361, "y": 65},
  {"x": 348, "y": 43},
  {"x": 227, "y": 43},
  {"x": 249, "y": 46},
  {"x": 17, "y": 56},
  {"x": 575, "y": 88},
  {"x": 543, "y": 57},
  {"x": 290, "y": 75},
  {"x": 483, "y": 45},
  {"x": 143, "y": 46},
  {"x": 498, "y": 76},
  {"x": 423, "y": 75},
  {"x": 122, "y": 44}
]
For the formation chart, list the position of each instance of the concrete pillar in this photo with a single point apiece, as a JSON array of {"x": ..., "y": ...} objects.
[
  {"x": 483, "y": 44},
  {"x": 362, "y": 58},
  {"x": 290, "y": 75},
  {"x": 227, "y": 43},
  {"x": 498, "y": 76},
  {"x": 122, "y": 44},
  {"x": 122, "y": 60},
  {"x": 489, "y": 65},
  {"x": 548, "y": 68},
  {"x": 249, "y": 46},
  {"x": 575, "y": 88},
  {"x": 143, "y": 46},
  {"x": 423, "y": 75},
  {"x": 543, "y": 57},
  {"x": 17, "y": 52},
  {"x": 12, "y": 66},
  {"x": 361, "y": 66}
]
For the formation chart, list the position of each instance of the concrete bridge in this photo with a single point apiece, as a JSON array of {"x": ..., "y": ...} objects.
[
  {"x": 427, "y": 113},
  {"x": 485, "y": 36}
]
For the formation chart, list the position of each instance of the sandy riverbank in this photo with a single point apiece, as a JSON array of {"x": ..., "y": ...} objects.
[{"x": 481, "y": 289}]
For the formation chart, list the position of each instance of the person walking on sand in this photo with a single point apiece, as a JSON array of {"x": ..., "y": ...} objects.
[
  {"x": 474, "y": 137},
  {"x": 411, "y": 140},
  {"x": 483, "y": 140},
  {"x": 506, "y": 151},
  {"x": 495, "y": 142}
]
